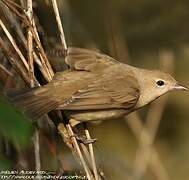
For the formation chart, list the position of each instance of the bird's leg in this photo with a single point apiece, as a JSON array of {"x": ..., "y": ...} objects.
[
  {"x": 87, "y": 135},
  {"x": 81, "y": 138}
]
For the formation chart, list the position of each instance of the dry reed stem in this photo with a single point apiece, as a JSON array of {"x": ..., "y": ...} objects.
[
  {"x": 92, "y": 164},
  {"x": 70, "y": 140},
  {"x": 7, "y": 8},
  {"x": 43, "y": 57},
  {"x": 29, "y": 13},
  {"x": 64, "y": 133},
  {"x": 59, "y": 23},
  {"x": 67, "y": 139},
  {"x": 78, "y": 151},
  {"x": 12, "y": 19},
  {"x": 27, "y": 71},
  {"x": 21, "y": 13},
  {"x": 14, "y": 44},
  {"x": 28, "y": 74},
  {"x": 91, "y": 151},
  {"x": 37, "y": 150},
  {"x": 89, "y": 156},
  {"x": 5, "y": 70},
  {"x": 15, "y": 63},
  {"x": 29, "y": 47}
]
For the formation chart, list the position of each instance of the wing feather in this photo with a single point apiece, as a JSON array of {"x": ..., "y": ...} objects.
[
  {"x": 118, "y": 92},
  {"x": 87, "y": 60}
]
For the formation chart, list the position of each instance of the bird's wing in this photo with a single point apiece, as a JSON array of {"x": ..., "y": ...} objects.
[
  {"x": 106, "y": 93},
  {"x": 87, "y": 60}
]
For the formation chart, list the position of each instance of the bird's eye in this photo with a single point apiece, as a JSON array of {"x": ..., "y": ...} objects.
[{"x": 160, "y": 83}]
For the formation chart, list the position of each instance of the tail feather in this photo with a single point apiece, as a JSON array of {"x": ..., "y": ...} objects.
[{"x": 34, "y": 106}]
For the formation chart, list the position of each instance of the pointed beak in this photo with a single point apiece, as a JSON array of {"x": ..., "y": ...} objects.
[{"x": 180, "y": 87}]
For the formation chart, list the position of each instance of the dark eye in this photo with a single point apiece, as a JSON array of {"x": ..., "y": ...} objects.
[{"x": 160, "y": 83}]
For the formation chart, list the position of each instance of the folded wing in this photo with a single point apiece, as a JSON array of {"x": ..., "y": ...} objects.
[
  {"x": 87, "y": 60},
  {"x": 106, "y": 93}
]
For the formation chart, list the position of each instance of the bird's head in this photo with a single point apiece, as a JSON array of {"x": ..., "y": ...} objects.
[{"x": 155, "y": 83}]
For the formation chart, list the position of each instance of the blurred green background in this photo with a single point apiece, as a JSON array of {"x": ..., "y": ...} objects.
[{"x": 138, "y": 32}]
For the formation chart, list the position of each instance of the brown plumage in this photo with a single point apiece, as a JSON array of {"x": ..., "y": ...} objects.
[{"x": 96, "y": 87}]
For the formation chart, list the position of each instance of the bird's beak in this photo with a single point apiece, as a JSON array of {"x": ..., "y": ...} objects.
[{"x": 180, "y": 87}]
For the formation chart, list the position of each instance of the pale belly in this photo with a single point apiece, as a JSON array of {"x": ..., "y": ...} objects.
[{"x": 96, "y": 115}]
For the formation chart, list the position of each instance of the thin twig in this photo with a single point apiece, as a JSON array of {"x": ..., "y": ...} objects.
[
  {"x": 64, "y": 133},
  {"x": 37, "y": 151},
  {"x": 19, "y": 13},
  {"x": 5, "y": 70},
  {"x": 20, "y": 34},
  {"x": 87, "y": 170},
  {"x": 68, "y": 136},
  {"x": 13, "y": 21},
  {"x": 22, "y": 15},
  {"x": 92, "y": 155},
  {"x": 43, "y": 57},
  {"x": 77, "y": 148},
  {"x": 59, "y": 23},
  {"x": 89, "y": 159},
  {"x": 29, "y": 13},
  {"x": 87, "y": 154},
  {"x": 16, "y": 64},
  {"x": 27, "y": 18},
  {"x": 14, "y": 44},
  {"x": 30, "y": 42}
]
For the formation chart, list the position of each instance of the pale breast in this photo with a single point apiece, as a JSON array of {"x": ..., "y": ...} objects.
[{"x": 96, "y": 115}]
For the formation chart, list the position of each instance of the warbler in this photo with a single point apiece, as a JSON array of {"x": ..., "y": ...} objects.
[{"x": 96, "y": 87}]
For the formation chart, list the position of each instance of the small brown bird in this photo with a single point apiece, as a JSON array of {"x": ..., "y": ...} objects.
[{"x": 96, "y": 87}]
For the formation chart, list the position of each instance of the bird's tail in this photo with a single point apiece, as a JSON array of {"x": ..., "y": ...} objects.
[{"x": 34, "y": 103}]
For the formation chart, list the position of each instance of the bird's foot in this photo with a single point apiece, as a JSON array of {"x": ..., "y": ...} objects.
[{"x": 83, "y": 139}]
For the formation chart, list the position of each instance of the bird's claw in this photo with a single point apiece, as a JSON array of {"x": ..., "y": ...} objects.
[{"x": 83, "y": 139}]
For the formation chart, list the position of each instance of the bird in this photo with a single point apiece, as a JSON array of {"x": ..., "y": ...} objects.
[{"x": 96, "y": 87}]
